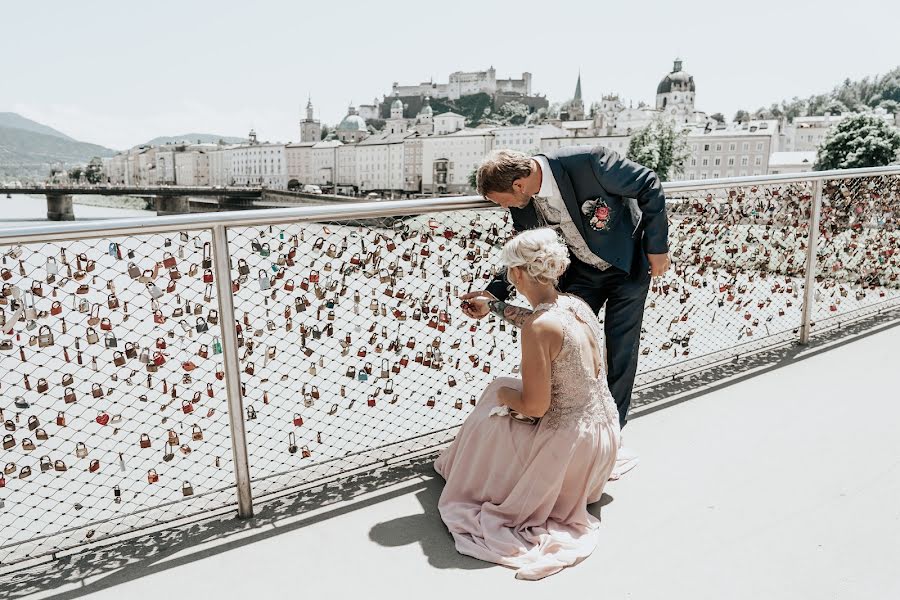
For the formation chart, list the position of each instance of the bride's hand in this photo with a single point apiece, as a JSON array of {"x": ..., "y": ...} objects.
[{"x": 475, "y": 304}]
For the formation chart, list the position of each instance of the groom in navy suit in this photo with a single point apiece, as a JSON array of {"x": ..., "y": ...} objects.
[{"x": 612, "y": 213}]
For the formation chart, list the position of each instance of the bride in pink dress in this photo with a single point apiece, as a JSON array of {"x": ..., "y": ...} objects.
[{"x": 535, "y": 451}]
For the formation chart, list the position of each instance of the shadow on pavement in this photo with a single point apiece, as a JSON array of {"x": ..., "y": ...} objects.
[{"x": 105, "y": 567}]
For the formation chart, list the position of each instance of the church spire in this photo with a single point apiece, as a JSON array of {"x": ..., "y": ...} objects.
[{"x": 578, "y": 87}]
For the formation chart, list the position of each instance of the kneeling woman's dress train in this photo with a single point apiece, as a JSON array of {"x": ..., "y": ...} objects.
[{"x": 516, "y": 493}]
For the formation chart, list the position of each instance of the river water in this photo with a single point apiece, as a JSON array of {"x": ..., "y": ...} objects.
[{"x": 21, "y": 209}]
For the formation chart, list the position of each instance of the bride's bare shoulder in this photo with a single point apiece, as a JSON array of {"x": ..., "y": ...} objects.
[{"x": 545, "y": 326}]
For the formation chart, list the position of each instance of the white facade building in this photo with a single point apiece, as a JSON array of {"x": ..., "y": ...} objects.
[
  {"x": 380, "y": 163},
  {"x": 324, "y": 159},
  {"x": 346, "y": 171},
  {"x": 448, "y": 122},
  {"x": 220, "y": 172},
  {"x": 525, "y": 138},
  {"x": 299, "y": 163},
  {"x": 259, "y": 164},
  {"x": 791, "y": 162},
  {"x": 449, "y": 160},
  {"x": 805, "y": 134},
  {"x": 728, "y": 153},
  {"x": 618, "y": 143}
]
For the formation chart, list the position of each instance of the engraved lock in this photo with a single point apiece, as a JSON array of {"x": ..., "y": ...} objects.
[{"x": 81, "y": 450}]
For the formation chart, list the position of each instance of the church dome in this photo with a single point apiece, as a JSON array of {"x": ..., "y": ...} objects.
[
  {"x": 397, "y": 104},
  {"x": 677, "y": 80},
  {"x": 426, "y": 108},
  {"x": 352, "y": 122}
]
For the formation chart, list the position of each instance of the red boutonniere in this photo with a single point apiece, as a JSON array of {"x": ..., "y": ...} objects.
[{"x": 599, "y": 214}]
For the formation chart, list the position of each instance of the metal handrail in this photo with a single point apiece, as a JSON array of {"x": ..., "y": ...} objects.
[
  {"x": 268, "y": 216},
  {"x": 359, "y": 210},
  {"x": 700, "y": 184}
]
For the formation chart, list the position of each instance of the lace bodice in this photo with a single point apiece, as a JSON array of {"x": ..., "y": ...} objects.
[{"x": 577, "y": 396}]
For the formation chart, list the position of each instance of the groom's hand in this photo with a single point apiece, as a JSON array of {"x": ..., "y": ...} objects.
[
  {"x": 659, "y": 264},
  {"x": 475, "y": 304}
]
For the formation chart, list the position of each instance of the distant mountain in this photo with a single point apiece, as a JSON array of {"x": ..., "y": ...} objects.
[
  {"x": 193, "y": 138},
  {"x": 16, "y": 121},
  {"x": 28, "y": 149}
]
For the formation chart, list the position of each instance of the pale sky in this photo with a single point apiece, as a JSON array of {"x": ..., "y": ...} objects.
[{"x": 118, "y": 73}]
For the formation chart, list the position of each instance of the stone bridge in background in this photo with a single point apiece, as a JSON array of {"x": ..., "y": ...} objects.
[{"x": 173, "y": 199}]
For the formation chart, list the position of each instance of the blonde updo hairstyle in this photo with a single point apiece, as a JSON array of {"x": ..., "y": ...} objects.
[{"x": 541, "y": 253}]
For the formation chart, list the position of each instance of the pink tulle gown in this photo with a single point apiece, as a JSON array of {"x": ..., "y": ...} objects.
[{"x": 516, "y": 493}]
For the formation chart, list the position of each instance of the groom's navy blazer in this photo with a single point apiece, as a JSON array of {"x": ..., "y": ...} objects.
[{"x": 636, "y": 225}]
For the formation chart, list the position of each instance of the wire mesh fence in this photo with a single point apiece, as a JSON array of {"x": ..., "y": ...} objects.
[
  {"x": 111, "y": 401},
  {"x": 858, "y": 255},
  {"x": 352, "y": 347},
  {"x": 737, "y": 281},
  {"x": 353, "y": 340}
]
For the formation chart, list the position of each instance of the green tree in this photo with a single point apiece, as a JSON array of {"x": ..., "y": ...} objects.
[
  {"x": 741, "y": 116},
  {"x": 513, "y": 113},
  {"x": 661, "y": 147},
  {"x": 473, "y": 179},
  {"x": 325, "y": 131},
  {"x": 718, "y": 117},
  {"x": 94, "y": 170},
  {"x": 859, "y": 141},
  {"x": 892, "y": 106}
]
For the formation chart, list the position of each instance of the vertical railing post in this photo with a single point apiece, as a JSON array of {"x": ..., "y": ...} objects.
[
  {"x": 222, "y": 267},
  {"x": 809, "y": 290}
]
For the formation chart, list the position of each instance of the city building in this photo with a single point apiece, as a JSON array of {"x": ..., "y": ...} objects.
[
  {"x": 299, "y": 164},
  {"x": 448, "y": 122},
  {"x": 618, "y": 143},
  {"x": 397, "y": 123},
  {"x": 449, "y": 160},
  {"x": 258, "y": 164},
  {"x": 425, "y": 119},
  {"x": 526, "y": 138},
  {"x": 732, "y": 152},
  {"x": 183, "y": 164},
  {"x": 791, "y": 162},
  {"x": 346, "y": 170},
  {"x": 324, "y": 159},
  {"x": 310, "y": 128},
  {"x": 352, "y": 128},
  {"x": 380, "y": 163},
  {"x": 573, "y": 110},
  {"x": 464, "y": 83},
  {"x": 412, "y": 163},
  {"x": 220, "y": 166},
  {"x": 675, "y": 95}
]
